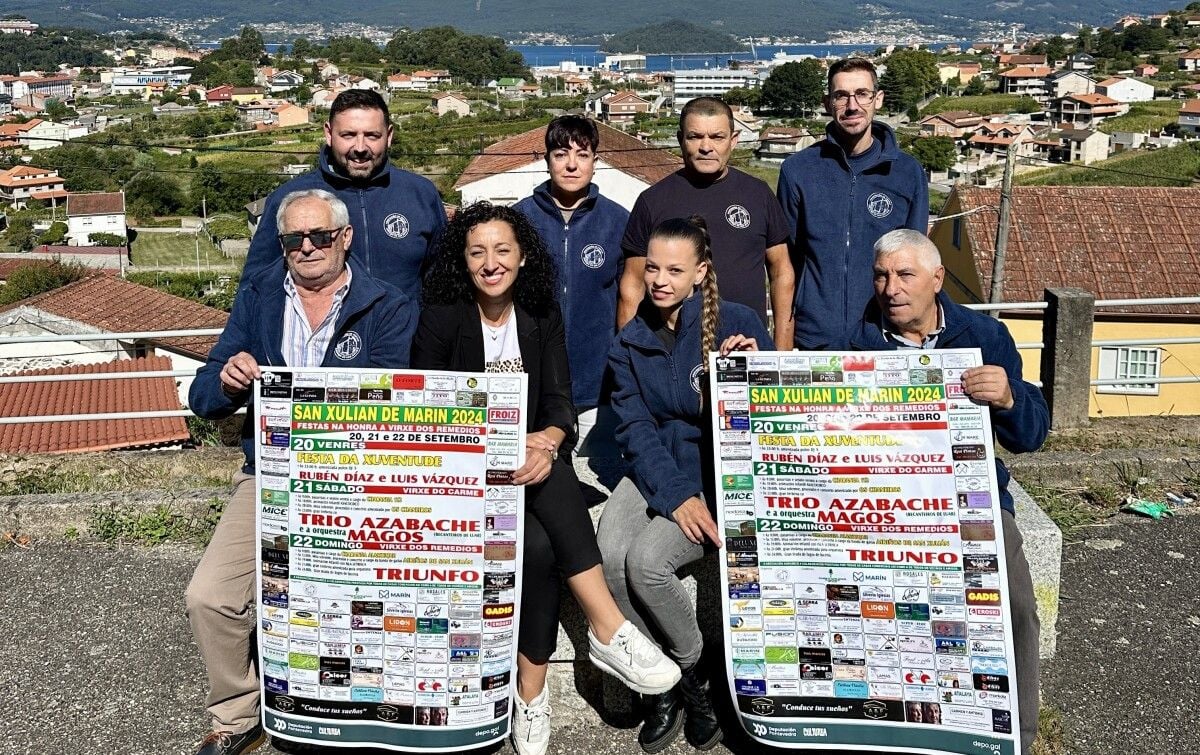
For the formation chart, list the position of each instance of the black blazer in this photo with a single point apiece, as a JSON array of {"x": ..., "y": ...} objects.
[{"x": 450, "y": 337}]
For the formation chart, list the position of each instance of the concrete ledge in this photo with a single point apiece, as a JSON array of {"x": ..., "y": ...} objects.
[{"x": 1043, "y": 551}]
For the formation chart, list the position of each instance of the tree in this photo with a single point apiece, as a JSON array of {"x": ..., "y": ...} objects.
[
  {"x": 56, "y": 110},
  {"x": 472, "y": 57},
  {"x": 194, "y": 96},
  {"x": 743, "y": 96},
  {"x": 39, "y": 277},
  {"x": 910, "y": 76},
  {"x": 975, "y": 87},
  {"x": 54, "y": 234},
  {"x": 1143, "y": 38},
  {"x": 107, "y": 239},
  {"x": 935, "y": 153},
  {"x": 796, "y": 88},
  {"x": 20, "y": 233},
  {"x": 1084, "y": 40},
  {"x": 153, "y": 194},
  {"x": 302, "y": 48}
]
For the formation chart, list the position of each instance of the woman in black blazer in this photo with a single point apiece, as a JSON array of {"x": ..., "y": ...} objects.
[{"x": 489, "y": 306}]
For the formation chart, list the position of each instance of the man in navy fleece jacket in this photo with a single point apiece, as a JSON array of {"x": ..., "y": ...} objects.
[{"x": 839, "y": 196}]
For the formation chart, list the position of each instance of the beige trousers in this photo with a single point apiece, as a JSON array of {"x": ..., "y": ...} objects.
[{"x": 221, "y": 606}]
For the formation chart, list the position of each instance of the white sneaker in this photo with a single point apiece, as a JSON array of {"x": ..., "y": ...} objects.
[
  {"x": 531, "y": 724},
  {"x": 635, "y": 660}
]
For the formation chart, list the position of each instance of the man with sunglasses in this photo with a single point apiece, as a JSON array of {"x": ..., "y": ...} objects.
[
  {"x": 398, "y": 215},
  {"x": 312, "y": 308},
  {"x": 840, "y": 195}
]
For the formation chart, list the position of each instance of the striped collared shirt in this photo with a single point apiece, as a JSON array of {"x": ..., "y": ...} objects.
[
  {"x": 302, "y": 346},
  {"x": 930, "y": 341}
]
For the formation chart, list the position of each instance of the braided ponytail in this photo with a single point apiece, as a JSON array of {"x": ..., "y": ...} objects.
[{"x": 711, "y": 308}]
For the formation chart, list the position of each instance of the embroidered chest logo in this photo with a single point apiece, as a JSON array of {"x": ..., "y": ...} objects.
[
  {"x": 737, "y": 216},
  {"x": 879, "y": 205},
  {"x": 592, "y": 256},
  {"x": 396, "y": 225},
  {"x": 348, "y": 347},
  {"x": 697, "y": 371}
]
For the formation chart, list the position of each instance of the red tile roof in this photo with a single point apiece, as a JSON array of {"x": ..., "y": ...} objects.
[
  {"x": 98, "y": 203},
  {"x": 92, "y": 397},
  {"x": 617, "y": 148},
  {"x": 117, "y": 306},
  {"x": 1117, "y": 242},
  {"x": 1095, "y": 100},
  {"x": 1191, "y": 107},
  {"x": 1027, "y": 72}
]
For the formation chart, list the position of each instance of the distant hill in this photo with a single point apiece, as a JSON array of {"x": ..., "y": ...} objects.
[
  {"x": 672, "y": 37},
  {"x": 810, "y": 19}
]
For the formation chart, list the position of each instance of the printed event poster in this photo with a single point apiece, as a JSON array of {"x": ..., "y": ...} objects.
[
  {"x": 389, "y": 573},
  {"x": 867, "y": 591}
]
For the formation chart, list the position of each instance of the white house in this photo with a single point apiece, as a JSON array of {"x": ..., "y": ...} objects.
[
  {"x": 450, "y": 102},
  {"x": 283, "y": 81},
  {"x": 39, "y": 134},
  {"x": 1062, "y": 83},
  {"x": 1124, "y": 89},
  {"x": 22, "y": 183},
  {"x": 1189, "y": 117},
  {"x": 101, "y": 212},
  {"x": 510, "y": 170}
]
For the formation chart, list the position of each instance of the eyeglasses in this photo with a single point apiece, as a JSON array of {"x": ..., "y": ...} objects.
[
  {"x": 862, "y": 97},
  {"x": 294, "y": 242}
]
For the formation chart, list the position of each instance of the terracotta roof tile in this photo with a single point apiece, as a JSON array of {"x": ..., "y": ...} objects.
[
  {"x": 92, "y": 397},
  {"x": 633, "y": 156},
  {"x": 1191, "y": 107},
  {"x": 1117, "y": 242},
  {"x": 1027, "y": 72},
  {"x": 99, "y": 203},
  {"x": 119, "y": 306}
]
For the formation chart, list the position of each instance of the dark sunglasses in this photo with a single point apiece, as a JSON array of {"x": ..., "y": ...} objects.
[{"x": 293, "y": 242}]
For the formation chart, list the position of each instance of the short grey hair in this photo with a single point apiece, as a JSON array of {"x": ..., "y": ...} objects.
[
  {"x": 906, "y": 238},
  {"x": 337, "y": 208}
]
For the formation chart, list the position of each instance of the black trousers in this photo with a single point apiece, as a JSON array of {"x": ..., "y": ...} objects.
[{"x": 559, "y": 540}]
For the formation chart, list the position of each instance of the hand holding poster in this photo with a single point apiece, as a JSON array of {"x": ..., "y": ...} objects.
[
  {"x": 388, "y": 569},
  {"x": 864, "y": 557}
]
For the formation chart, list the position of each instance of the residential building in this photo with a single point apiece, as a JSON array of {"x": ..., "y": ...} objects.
[
  {"x": 431, "y": 79},
  {"x": 5, "y": 104},
  {"x": 33, "y": 135},
  {"x": 1145, "y": 70},
  {"x": 246, "y": 95},
  {"x": 323, "y": 97},
  {"x": 399, "y": 82},
  {"x": 17, "y": 26},
  {"x": 1158, "y": 21},
  {"x": 1117, "y": 243},
  {"x": 1085, "y": 110},
  {"x": 100, "y": 212},
  {"x": 1124, "y": 22},
  {"x": 1190, "y": 61},
  {"x": 686, "y": 85},
  {"x": 508, "y": 86},
  {"x": 593, "y": 102},
  {"x": 1027, "y": 80},
  {"x": 1081, "y": 61},
  {"x": 22, "y": 183},
  {"x": 362, "y": 82},
  {"x": 627, "y": 62},
  {"x": 509, "y": 170},
  {"x": 968, "y": 70},
  {"x": 106, "y": 303},
  {"x": 1123, "y": 89},
  {"x": 450, "y": 102},
  {"x": 1189, "y": 117},
  {"x": 168, "y": 53},
  {"x": 135, "y": 80},
  {"x": 1061, "y": 83},
  {"x": 776, "y": 143},
  {"x": 219, "y": 95},
  {"x": 283, "y": 81},
  {"x": 1016, "y": 59},
  {"x": 747, "y": 124},
  {"x": 956, "y": 124},
  {"x": 1083, "y": 146},
  {"x": 993, "y": 138},
  {"x": 58, "y": 87},
  {"x": 624, "y": 106},
  {"x": 286, "y": 115}
]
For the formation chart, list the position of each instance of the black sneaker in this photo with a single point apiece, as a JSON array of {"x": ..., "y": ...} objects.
[{"x": 228, "y": 743}]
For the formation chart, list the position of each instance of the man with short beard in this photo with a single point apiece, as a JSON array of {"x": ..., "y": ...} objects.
[
  {"x": 839, "y": 196},
  {"x": 397, "y": 215}
]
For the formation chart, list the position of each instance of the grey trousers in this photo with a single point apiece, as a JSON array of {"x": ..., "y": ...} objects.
[
  {"x": 642, "y": 552},
  {"x": 1026, "y": 631}
]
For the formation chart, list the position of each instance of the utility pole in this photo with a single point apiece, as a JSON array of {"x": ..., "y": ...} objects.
[{"x": 1010, "y": 159}]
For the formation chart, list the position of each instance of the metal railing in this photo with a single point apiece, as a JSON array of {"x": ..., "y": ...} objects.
[{"x": 158, "y": 336}]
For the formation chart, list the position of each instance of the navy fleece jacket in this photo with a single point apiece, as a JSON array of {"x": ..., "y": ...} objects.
[
  {"x": 380, "y": 316},
  {"x": 663, "y": 432},
  {"x": 397, "y": 218},
  {"x": 1021, "y": 429},
  {"x": 837, "y": 208},
  {"x": 587, "y": 253}
]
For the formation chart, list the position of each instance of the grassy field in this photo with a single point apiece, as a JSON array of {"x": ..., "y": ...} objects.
[
  {"x": 768, "y": 172},
  {"x": 984, "y": 104},
  {"x": 1177, "y": 166},
  {"x": 176, "y": 250},
  {"x": 1143, "y": 116}
]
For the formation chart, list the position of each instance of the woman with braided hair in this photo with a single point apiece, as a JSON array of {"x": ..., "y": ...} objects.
[{"x": 659, "y": 518}]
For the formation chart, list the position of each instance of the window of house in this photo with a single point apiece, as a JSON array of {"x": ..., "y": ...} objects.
[
  {"x": 1118, "y": 363},
  {"x": 957, "y": 240}
]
